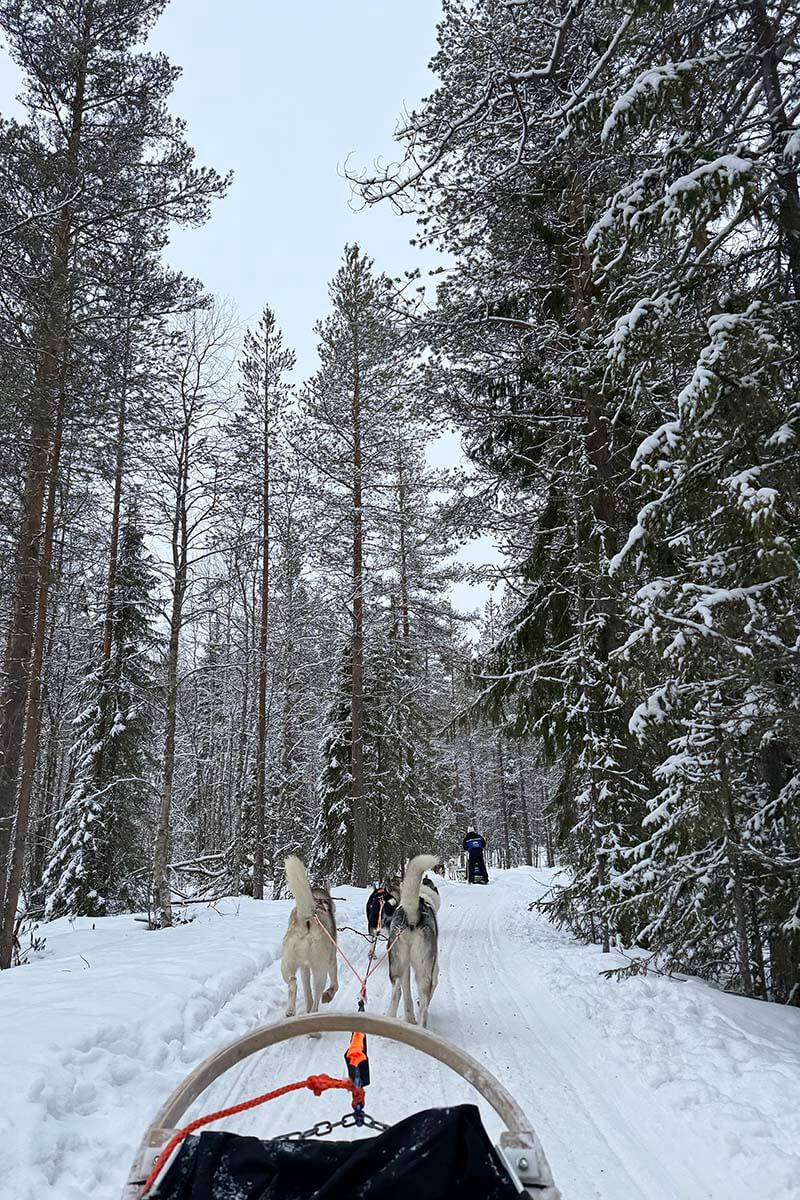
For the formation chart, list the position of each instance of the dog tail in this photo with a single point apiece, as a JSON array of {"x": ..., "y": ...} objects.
[
  {"x": 297, "y": 882},
  {"x": 409, "y": 892}
]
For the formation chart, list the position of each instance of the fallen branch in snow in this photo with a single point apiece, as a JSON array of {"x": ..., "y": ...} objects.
[{"x": 638, "y": 966}]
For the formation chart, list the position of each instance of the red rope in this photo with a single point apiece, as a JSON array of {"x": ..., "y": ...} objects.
[
  {"x": 382, "y": 959},
  {"x": 340, "y": 951},
  {"x": 371, "y": 969},
  {"x": 316, "y": 1083}
]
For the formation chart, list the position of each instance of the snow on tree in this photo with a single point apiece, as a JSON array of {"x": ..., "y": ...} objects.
[{"x": 101, "y": 835}]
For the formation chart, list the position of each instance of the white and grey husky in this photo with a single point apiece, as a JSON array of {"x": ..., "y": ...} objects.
[
  {"x": 305, "y": 946},
  {"x": 414, "y": 941}
]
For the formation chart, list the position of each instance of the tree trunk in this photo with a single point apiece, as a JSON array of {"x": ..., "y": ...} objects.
[
  {"x": 501, "y": 787},
  {"x": 360, "y": 841},
  {"x": 548, "y": 832},
  {"x": 113, "y": 558},
  {"x": 162, "y": 895},
  {"x": 473, "y": 783},
  {"x": 242, "y": 755},
  {"x": 33, "y": 709},
  {"x": 759, "y": 969},
  {"x": 781, "y": 128},
  {"x": 20, "y": 637},
  {"x": 261, "y": 737},
  {"x": 403, "y": 550},
  {"x": 733, "y": 851},
  {"x": 523, "y": 805}
]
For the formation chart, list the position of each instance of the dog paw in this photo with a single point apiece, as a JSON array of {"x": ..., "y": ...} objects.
[
  {"x": 290, "y": 1012},
  {"x": 328, "y": 995}
]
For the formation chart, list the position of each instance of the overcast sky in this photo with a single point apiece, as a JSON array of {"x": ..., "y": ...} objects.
[{"x": 283, "y": 94}]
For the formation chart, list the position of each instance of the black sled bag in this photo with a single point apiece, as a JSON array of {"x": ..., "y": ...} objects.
[{"x": 438, "y": 1154}]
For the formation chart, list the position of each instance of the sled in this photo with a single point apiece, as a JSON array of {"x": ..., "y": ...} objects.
[{"x": 414, "y": 1152}]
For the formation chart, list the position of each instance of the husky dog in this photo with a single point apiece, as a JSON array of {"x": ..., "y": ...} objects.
[
  {"x": 389, "y": 893},
  {"x": 414, "y": 941},
  {"x": 305, "y": 945}
]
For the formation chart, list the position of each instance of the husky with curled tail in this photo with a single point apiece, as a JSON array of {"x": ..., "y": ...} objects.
[
  {"x": 306, "y": 948},
  {"x": 414, "y": 941}
]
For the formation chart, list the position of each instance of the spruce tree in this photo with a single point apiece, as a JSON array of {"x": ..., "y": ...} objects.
[{"x": 100, "y": 837}]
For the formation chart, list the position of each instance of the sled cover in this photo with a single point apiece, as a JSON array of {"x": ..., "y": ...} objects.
[{"x": 438, "y": 1154}]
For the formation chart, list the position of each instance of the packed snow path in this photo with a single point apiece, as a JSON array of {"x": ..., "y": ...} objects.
[{"x": 650, "y": 1089}]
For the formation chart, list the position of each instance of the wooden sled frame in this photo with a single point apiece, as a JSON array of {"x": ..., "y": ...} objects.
[{"x": 519, "y": 1145}]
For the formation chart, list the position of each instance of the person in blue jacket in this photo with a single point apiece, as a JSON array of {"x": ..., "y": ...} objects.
[{"x": 476, "y": 866}]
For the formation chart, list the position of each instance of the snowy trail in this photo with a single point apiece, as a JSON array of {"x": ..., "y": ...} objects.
[
  {"x": 600, "y": 1078},
  {"x": 651, "y": 1089}
]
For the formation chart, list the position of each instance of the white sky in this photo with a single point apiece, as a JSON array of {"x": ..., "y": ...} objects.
[{"x": 283, "y": 93}]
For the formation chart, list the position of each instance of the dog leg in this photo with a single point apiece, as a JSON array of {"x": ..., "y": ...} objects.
[
  {"x": 306, "y": 974},
  {"x": 395, "y": 1000},
  {"x": 291, "y": 1003},
  {"x": 408, "y": 1000},
  {"x": 333, "y": 975},
  {"x": 425, "y": 990},
  {"x": 319, "y": 974}
]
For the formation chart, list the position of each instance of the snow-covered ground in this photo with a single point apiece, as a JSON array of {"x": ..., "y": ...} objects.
[{"x": 650, "y": 1089}]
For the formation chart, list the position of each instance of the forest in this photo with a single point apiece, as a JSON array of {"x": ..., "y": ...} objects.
[{"x": 226, "y": 598}]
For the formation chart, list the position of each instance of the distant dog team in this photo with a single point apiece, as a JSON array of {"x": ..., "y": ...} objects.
[{"x": 405, "y": 912}]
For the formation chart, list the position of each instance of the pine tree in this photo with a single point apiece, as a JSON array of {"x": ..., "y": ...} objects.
[
  {"x": 99, "y": 840},
  {"x": 264, "y": 364},
  {"x": 352, "y": 406}
]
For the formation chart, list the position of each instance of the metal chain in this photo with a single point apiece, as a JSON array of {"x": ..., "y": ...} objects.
[{"x": 323, "y": 1128}]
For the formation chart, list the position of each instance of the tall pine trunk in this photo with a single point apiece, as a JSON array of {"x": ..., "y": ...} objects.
[
  {"x": 162, "y": 895},
  {"x": 33, "y": 709},
  {"x": 501, "y": 787},
  {"x": 523, "y": 806},
  {"x": 113, "y": 559},
  {"x": 17, "y": 667},
  {"x": 261, "y": 738},
  {"x": 360, "y": 842}
]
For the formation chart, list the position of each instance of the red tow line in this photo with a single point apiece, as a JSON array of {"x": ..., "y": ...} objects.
[
  {"x": 315, "y": 1083},
  {"x": 373, "y": 968}
]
